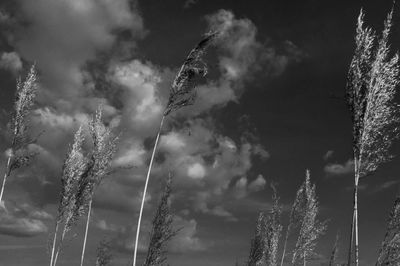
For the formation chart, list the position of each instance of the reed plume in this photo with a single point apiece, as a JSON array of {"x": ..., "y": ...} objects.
[
  {"x": 264, "y": 245},
  {"x": 104, "y": 256},
  {"x": 99, "y": 163},
  {"x": 311, "y": 229},
  {"x": 19, "y": 154},
  {"x": 371, "y": 85},
  {"x": 335, "y": 251},
  {"x": 273, "y": 230},
  {"x": 162, "y": 230},
  {"x": 74, "y": 166},
  {"x": 389, "y": 253},
  {"x": 257, "y": 247},
  {"x": 296, "y": 216},
  {"x": 182, "y": 93}
]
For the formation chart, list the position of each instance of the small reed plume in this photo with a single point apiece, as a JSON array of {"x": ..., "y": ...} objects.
[
  {"x": 104, "y": 256},
  {"x": 257, "y": 247},
  {"x": 161, "y": 231},
  {"x": 296, "y": 216},
  {"x": 182, "y": 93},
  {"x": 371, "y": 86},
  {"x": 264, "y": 245},
  {"x": 335, "y": 251},
  {"x": 389, "y": 253},
  {"x": 19, "y": 154},
  {"x": 311, "y": 229},
  {"x": 273, "y": 230}
]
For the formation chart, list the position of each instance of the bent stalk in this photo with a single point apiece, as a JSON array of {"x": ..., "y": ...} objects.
[
  {"x": 86, "y": 232},
  {"x": 6, "y": 174},
  {"x": 145, "y": 190}
]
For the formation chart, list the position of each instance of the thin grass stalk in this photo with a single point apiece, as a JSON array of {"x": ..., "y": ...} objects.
[
  {"x": 356, "y": 251},
  {"x": 54, "y": 243},
  {"x": 354, "y": 213},
  {"x": 285, "y": 244},
  {"x": 86, "y": 231},
  {"x": 145, "y": 190},
  {"x": 59, "y": 246},
  {"x": 6, "y": 174}
]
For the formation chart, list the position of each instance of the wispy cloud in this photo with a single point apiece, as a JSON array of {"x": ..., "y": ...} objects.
[{"x": 337, "y": 169}]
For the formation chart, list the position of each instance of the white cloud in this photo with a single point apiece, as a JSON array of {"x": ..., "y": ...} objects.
[
  {"x": 196, "y": 171},
  {"x": 257, "y": 184},
  {"x": 172, "y": 141},
  {"x": 11, "y": 61}
]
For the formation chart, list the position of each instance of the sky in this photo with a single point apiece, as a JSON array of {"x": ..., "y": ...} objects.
[{"x": 270, "y": 107}]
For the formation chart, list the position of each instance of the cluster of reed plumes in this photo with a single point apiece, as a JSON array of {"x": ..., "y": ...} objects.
[
  {"x": 372, "y": 80},
  {"x": 303, "y": 221}
]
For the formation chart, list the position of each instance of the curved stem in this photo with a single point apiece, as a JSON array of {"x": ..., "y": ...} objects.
[
  {"x": 145, "y": 190},
  {"x": 86, "y": 231}
]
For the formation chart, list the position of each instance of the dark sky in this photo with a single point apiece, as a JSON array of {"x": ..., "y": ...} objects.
[{"x": 271, "y": 107}]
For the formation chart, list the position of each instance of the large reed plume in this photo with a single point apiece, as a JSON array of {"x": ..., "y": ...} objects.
[
  {"x": 19, "y": 154},
  {"x": 371, "y": 86},
  {"x": 182, "y": 93},
  {"x": 311, "y": 229},
  {"x": 389, "y": 253},
  {"x": 74, "y": 166},
  {"x": 162, "y": 230},
  {"x": 104, "y": 147}
]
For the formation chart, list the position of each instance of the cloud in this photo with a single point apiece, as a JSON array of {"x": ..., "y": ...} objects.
[
  {"x": 11, "y": 61},
  {"x": 189, "y": 3},
  {"x": 202, "y": 159},
  {"x": 328, "y": 155},
  {"x": 196, "y": 171},
  {"x": 23, "y": 221},
  {"x": 386, "y": 185},
  {"x": 186, "y": 239},
  {"x": 257, "y": 184},
  {"x": 335, "y": 169}
]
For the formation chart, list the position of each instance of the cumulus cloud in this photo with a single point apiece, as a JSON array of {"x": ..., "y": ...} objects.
[
  {"x": 335, "y": 169},
  {"x": 11, "y": 61},
  {"x": 203, "y": 160}
]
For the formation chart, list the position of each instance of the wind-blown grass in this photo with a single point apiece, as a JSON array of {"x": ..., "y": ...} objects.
[
  {"x": 74, "y": 166},
  {"x": 311, "y": 229},
  {"x": 182, "y": 93},
  {"x": 19, "y": 154},
  {"x": 372, "y": 80},
  {"x": 162, "y": 230}
]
